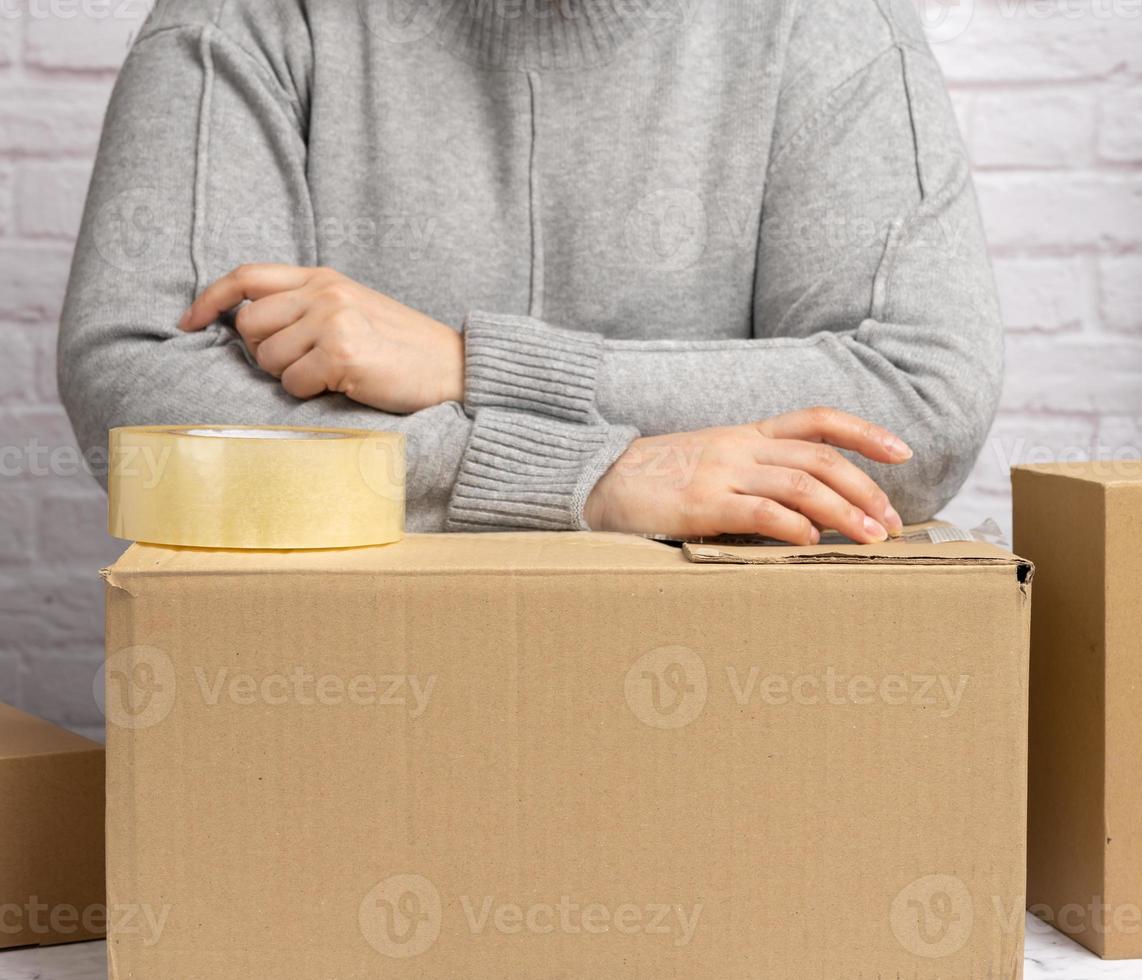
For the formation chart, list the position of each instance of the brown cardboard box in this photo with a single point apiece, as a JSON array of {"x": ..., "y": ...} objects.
[
  {"x": 569, "y": 755},
  {"x": 1082, "y": 526},
  {"x": 51, "y": 834}
]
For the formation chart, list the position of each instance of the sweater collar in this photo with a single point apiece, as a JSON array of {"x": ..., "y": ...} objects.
[{"x": 550, "y": 35}]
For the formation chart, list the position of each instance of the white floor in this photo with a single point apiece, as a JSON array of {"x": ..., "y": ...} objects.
[
  {"x": 81, "y": 961},
  {"x": 1052, "y": 955},
  {"x": 1049, "y": 955}
]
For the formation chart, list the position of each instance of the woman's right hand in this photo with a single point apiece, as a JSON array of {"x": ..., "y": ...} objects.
[{"x": 782, "y": 478}]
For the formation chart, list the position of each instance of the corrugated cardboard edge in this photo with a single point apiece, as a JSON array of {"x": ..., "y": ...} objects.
[
  {"x": 508, "y": 553},
  {"x": 529, "y": 551},
  {"x": 1105, "y": 473},
  {"x": 952, "y": 554}
]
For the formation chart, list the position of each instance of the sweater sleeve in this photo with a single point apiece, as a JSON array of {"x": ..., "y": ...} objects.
[
  {"x": 202, "y": 168},
  {"x": 873, "y": 292}
]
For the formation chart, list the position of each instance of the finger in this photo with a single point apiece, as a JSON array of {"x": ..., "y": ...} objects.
[
  {"x": 307, "y": 377},
  {"x": 246, "y": 282},
  {"x": 277, "y": 352},
  {"x": 804, "y": 493},
  {"x": 841, "y": 429},
  {"x": 835, "y": 471},
  {"x": 745, "y": 514},
  {"x": 264, "y": 317}
]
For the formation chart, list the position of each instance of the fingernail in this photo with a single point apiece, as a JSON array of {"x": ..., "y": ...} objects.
[
  {"x": 874, "y": 530},
  {"x": 892, "y": 519},
  {"x": 897, "y": 447},
  {"x": 814, "y": 536},
  {"x": 183, "y": 322}
]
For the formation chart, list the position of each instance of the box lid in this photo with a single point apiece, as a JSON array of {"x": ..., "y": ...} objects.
[
  {"x": 1104, "y": 472},
  {"x": 508, "y": 552},
  {"x": 23, "y": 735},
  {"x": 513, "y": 553}
]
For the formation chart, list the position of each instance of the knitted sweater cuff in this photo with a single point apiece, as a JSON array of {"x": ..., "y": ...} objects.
[
  {"x": 523, "y": 471},
  {"x": 521, "y": 363}
]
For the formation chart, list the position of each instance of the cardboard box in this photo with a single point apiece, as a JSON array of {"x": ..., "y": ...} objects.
[
  {"x": 51, "y": 834},
  {"x": 570, "y": 755},
  {"x": 1082, "y": 526}
]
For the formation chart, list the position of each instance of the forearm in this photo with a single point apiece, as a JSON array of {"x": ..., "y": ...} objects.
[
  {"x": 206, "y": 380},
  {"x": 177, "y": 162},
  {"x": 661, "y": 386},
  {"x": 877, "y": 371},
  {"x": 681, "y": 388},
  {"x": 893, "y": 318}
]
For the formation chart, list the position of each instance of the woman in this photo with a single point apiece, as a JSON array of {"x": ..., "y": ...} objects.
[{"x": 690, "y": 222}]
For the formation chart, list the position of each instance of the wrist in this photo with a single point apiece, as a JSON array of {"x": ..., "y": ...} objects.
[
  {"x": 597, "y": 511},
  {"x": 593, "y": 509},
  {"x": 453, "y": 381}
]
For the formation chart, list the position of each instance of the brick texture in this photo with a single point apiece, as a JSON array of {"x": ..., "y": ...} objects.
[
  {"x": 1049, "y": 97},
  {"x": 1119, "y": 135}
]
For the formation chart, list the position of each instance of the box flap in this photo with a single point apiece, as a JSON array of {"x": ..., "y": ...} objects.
[
  {"x": 890, "y": 553},
  {"x": 915, "y": 547},
  {"x": 23, "y": 735}
]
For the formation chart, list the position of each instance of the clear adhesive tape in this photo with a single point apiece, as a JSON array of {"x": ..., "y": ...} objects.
[{"x": 272, "y": 487}]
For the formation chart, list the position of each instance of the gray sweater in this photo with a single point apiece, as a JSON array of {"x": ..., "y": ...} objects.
[{"x": 647, "y": 216}]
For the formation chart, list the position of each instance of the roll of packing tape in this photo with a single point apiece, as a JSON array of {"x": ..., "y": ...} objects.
[{"x": 273, "y": 487}]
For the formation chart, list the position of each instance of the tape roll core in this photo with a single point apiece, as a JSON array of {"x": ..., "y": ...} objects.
[{"x": 256, "y": 488}]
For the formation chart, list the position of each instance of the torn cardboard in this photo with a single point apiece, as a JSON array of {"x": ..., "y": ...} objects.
[
  {"x": 556, "y": 755},
  {"x": 1082, "y": 525},
  {"x": 51, "y": 834}
]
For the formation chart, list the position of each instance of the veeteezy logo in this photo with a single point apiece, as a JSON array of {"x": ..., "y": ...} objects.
[
  {"x": 667, "y": 230},
  {"x": 932, "y": 916},
  {"x": 572, "y": 918},
  {"x": 302, "y": 686},
  {"x": 35, "y": 917},
  {"x": 135, "y": 687},
  {"x": 667, "y": 687},
  {"x": 832, "y": 687},
  {"x": 135, "y": 231},
  {"x": 401, "y": 21},
  {"x": 402, "y": 917}
]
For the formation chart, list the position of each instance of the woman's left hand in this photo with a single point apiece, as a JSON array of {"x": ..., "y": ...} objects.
[{"x": 317, "y": 330}]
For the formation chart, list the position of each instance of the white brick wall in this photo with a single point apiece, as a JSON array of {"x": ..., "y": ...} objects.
[
  {"x": 57, "y": 61},
  {"x": 1049, "y": 94}
]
